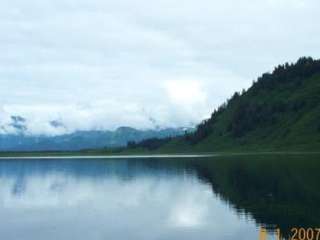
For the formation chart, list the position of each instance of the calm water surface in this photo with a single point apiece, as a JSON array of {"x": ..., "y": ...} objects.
[{"x": 225, "y": 198}]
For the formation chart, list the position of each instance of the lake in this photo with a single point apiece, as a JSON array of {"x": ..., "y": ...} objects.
[{"x": 200, "y": 198}]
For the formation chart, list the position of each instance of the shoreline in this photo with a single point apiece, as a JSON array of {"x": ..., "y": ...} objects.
[{"x": 79, "y": 155}]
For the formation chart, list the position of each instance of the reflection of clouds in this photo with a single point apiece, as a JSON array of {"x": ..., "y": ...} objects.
[
  {"x": 61, "y": 190},
  {"x": 19, "y": 187},
  {"x": 33, "y": 191},
  {"x": 188, "y": 216},
  {"x": 191, "y": 209},
  {"x": 148, "y": 207}
]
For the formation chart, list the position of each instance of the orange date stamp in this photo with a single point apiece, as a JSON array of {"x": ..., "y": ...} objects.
[{"x": 297, "y": 233}]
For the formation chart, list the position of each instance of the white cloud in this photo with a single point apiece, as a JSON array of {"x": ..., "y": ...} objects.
[
  {"x": 185, "y": 92},
  {"x": 102, "y": 64}
]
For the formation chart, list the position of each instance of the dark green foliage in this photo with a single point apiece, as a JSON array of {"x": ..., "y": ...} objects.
[
  {"x": 304, "y": 68},
  {"x": 150, "y": 144},
  {"x": 274, "y": 104},
  {"x": 249, "y": 115},
  {"x": 205, "y": 128}
]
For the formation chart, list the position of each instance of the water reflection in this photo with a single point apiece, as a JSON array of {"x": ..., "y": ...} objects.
[
  {"x": 276, "y": 191},
  {"x": 218, "y": 198}
]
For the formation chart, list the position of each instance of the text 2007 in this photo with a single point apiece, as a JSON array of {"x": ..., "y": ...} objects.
[{"x": 305, "y": 234}]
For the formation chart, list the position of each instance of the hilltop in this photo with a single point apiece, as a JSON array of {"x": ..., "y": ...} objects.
[{"x": 280, "y": 111}]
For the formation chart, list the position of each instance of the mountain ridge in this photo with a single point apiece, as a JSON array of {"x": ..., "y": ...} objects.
[
  {"x": 280, "y": 111},
  {"x": 81, "y": 140}
]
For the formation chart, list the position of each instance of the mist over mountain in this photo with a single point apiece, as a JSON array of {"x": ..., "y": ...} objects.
[{"x": 20, "y": 140}]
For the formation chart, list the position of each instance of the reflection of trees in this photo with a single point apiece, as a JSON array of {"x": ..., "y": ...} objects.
[{"x": 278, "y": 191}]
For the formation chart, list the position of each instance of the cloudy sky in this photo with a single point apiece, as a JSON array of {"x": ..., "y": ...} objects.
[{"x": 100, "y": 64}]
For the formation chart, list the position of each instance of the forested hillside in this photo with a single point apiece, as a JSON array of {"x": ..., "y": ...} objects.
[{"x": 280, "y": 111}]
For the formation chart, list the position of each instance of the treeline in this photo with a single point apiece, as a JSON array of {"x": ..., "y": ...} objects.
[
  {"x": 257, "y": 107},
  {"x": 290, "y": 74},
  {"x": 149, "y": 144}
]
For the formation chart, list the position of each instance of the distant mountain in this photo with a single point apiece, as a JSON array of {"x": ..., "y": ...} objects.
[
  {"x": 280, "y": 111},
  {"x": 78, "y": 140}
]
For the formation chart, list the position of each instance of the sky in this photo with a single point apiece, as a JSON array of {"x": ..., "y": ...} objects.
[{"x": 101, "y": 64}]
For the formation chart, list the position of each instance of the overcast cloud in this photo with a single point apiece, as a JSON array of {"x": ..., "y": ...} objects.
[{"x": 99, "y": 64}]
